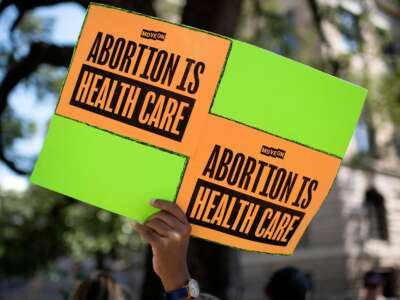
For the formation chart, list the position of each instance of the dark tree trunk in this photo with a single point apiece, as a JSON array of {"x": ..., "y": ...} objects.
[
  {"x": 219, "y": 16},
  {"x": 216, "y": 267},
  {"x": 330, "y": 63},
  {"x": 152, "y": 287}
]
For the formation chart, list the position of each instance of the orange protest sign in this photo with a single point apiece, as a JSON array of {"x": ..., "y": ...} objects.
[
  {"x": 257, "y": 195},
  {"x": 154, "y": 86}
]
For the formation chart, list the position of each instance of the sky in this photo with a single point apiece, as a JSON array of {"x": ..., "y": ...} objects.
[{"x": 68, "y": 19}]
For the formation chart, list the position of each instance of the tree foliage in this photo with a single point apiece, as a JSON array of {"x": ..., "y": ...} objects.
[{"x": 38, "y": 226}]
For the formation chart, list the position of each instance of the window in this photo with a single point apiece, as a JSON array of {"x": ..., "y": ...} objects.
[{"x": 376, "y": 215}]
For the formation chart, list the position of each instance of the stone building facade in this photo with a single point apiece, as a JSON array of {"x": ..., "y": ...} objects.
[{"x": 349, "y": 236}]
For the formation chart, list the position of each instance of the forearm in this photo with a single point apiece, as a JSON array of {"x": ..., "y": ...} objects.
[{"x": 175, "y": 279}]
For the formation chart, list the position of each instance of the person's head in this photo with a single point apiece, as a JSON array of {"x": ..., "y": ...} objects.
[
  {"x": 98, "y": 286},
  {"x": 288, "y": 284},
  {"x": 373, "y": 282}
]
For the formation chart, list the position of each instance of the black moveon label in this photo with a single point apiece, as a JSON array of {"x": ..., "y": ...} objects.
[{"x": 154, "y": 35}]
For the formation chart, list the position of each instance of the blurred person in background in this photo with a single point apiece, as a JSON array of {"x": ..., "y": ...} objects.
[
  {"x": 288, "y": 284},
  {"x": 99, "y": 286},
  {"x": 373, "y": 284}
]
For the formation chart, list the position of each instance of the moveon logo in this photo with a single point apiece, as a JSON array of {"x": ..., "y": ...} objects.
[
  {"x": 275, "y": 153},
  {"x": 154, "y": 35}
]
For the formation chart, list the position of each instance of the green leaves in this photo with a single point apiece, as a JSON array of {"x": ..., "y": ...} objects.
[{"x": 38, "y": 226}]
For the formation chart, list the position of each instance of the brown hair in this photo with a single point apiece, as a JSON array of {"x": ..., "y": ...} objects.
[{"x": 98, "y": 286}]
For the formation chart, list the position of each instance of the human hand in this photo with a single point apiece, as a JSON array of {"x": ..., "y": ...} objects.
[{"x": 168, "y": 233}]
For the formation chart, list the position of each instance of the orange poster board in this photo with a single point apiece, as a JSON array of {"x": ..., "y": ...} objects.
[
  {"x": 153, "y": 82},
  {"x": 257, "y": 195}
]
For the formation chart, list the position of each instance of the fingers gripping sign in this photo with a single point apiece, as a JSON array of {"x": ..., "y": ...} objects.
[{"x": 168, "y": 233}]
